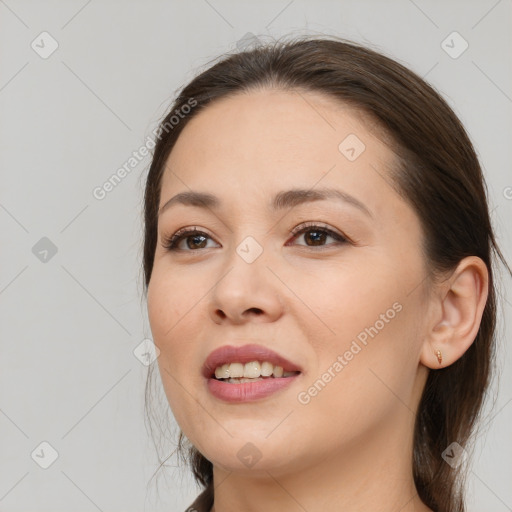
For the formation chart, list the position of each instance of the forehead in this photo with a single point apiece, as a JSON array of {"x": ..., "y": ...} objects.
[
  {"x": 267, "y": 140},
  {"x": 291, "y": 124}
]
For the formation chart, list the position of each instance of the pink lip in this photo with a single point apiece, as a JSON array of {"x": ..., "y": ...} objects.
[
  {"x": 245, "y": 354},
  {"x": 247, "y": 391}
]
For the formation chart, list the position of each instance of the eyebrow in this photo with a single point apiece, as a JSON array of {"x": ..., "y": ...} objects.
[{"x": 282, "y": 200}]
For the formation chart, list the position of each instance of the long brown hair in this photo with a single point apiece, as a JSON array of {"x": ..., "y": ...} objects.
[{"x": 437, "y": 172}]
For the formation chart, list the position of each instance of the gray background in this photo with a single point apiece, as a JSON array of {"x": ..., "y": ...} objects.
[{"x": 69, "y": 325}]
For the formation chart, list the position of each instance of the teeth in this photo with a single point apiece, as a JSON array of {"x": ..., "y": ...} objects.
[
  {"x": 236, "y": 370},
  {"x": 278, "y": 371},
  {"x": 222, "y": 372},
  {"x": 267, "y": 369},
  {"x": 252, "y": 370}
]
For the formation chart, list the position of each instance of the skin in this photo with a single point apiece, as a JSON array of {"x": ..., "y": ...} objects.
[{"x": 350, "y": 446}]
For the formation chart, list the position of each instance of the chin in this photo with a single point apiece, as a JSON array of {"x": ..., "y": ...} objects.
[{"x": 254, "y": 463}]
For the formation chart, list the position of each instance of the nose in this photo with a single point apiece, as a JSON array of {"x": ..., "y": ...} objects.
[{"x": 245, "y": 292}]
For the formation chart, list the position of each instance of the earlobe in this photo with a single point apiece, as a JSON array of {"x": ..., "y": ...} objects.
[
  {"x": 462, "y": 298},
  {"x": 432, "y": 357}
]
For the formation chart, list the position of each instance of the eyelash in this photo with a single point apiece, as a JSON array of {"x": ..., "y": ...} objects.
[{"x": 172, "y": 242}]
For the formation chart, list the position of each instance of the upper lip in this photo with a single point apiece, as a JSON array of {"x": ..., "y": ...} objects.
[{"x": 245, "y": 354}]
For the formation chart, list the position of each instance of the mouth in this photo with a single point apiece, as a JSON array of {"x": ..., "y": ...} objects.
[
  {"x": 248, "y": 373},
  {"x": 234, "y": 364}
]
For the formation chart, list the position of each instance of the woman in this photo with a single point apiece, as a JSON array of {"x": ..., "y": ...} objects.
[{"x": 318, "y": 265}]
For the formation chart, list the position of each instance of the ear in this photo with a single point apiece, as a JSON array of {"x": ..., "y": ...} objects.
[{"x": 459, "y": 306}]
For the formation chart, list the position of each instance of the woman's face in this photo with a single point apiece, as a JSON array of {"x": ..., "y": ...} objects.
[{"x": 349, "y": 313}]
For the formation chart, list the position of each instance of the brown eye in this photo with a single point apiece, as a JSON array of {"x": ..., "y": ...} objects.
[
  {"x": 315, "y": 235},
  {"x": 194, "y": 240}
]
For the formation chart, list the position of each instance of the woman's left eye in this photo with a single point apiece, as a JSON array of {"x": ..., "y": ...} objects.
[{"x": 317, "y": 235}]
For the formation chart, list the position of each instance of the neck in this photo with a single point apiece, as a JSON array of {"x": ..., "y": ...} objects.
[{"x": 373, "y": 473}]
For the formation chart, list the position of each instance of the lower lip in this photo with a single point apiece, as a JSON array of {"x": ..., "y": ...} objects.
[{"x": 248, "y": 391}]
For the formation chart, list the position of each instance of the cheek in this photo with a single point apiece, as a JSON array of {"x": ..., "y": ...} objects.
[
  {"x": 168, "y": 308},
  {"x": 176, "y": 317},
  {"x": 365, "y": 319},
  {"x": 168, "y": 303},
  {"x": 341, "y": 301},
  {"x": 359, "y": 386},
  {"x": 379, "y": 362}
]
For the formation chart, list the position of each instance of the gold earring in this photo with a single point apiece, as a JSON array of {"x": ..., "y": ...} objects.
[{"x": 439, "y": 356}]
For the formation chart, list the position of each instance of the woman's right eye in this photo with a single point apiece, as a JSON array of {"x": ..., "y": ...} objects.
[{"x": 194, "y": 238}]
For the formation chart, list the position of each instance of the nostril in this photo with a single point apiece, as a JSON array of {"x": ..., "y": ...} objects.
[{"x": 257, "y": 311}]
